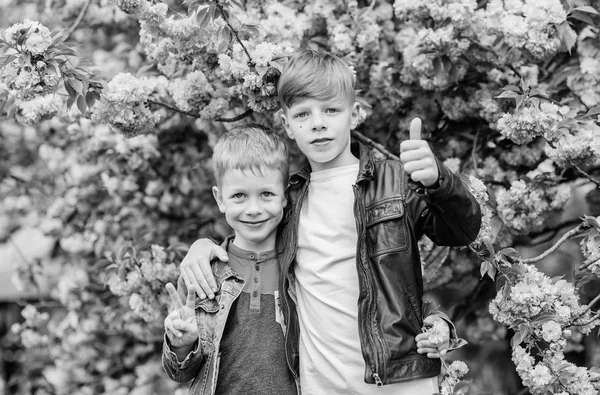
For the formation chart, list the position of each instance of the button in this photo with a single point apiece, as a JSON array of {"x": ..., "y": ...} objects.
[
  {"x": 255, "y": 279},
  {"x": 252, "y": 256},
  {"x": 257, "y": 267},
  {"x": 254, "y": 294},
  {"x": 222, "y": 306}
]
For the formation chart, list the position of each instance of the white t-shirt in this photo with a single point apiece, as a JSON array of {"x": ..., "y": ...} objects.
[{"x": 331, "y": 360}]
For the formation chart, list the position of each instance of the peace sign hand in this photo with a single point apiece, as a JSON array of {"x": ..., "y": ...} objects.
[{"x": 180, "y": 324}]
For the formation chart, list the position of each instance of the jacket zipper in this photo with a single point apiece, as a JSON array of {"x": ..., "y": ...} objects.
[
  {"x": 286, "y": 267},
  {"x": 375, "y": 341}
]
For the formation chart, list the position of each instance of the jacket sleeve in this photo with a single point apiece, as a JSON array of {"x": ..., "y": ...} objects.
[
  {"x": 449, "y": 214},
  {"x": 455, "y": 341},
  {"x": 186, "y": 370}
]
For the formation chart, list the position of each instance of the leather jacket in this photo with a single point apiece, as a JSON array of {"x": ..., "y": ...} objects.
[{"x": 390, "y": 219}]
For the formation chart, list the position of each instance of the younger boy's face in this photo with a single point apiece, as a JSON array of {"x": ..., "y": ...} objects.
[
  {"x": 253, "y": 205},
  {"x": 321, "y": 129}
]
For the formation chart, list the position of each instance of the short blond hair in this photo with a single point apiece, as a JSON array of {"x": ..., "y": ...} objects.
[
  {"x": 250, "y": 147},
  {"x": 317, "y": 75}
]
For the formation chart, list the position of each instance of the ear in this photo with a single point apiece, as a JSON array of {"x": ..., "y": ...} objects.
[
  {"x": 354, "y": 115},
  {"x": 218, "y": 198},
  {"x": 286, "y": 125}
]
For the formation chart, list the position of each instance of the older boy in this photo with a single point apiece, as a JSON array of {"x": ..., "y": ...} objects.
[
  {"x": 234, "y": 344},
  {"x": 351, "y": 281}
]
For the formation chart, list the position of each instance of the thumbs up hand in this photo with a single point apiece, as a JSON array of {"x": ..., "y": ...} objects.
[{"x": 417, "y": 157}]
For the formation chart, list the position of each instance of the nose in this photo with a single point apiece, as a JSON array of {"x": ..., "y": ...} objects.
[
  {"x": 318, "y": 122},
  {"x": 254, "y": 207}
]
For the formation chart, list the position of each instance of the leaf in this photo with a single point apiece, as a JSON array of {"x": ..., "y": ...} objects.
[
  {"x": 592, "y": 111},
  {"x": 202, "y": 17},
  {"x": 513, "y": 88},
  {"x": 81, "y": 104},
  {"x": 567, "y": 35},
  {"x": 70, "y": 102},
  {"x": 77, "y": 85},
  {"x": 586, "y": 8},
  {"x": 90, "y": 99},
  {"x": 238, "y": 4},
  {"x": 582, "y": 17},
  {"x": 508, "y": 95}
]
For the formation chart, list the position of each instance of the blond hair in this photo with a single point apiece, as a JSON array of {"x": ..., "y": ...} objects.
[
  {"x": 250, "y": 147},
  {"x": 312, "y": 74}
]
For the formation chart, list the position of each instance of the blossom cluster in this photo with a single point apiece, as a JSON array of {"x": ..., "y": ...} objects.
[
  {"x": 124, "y": 104},
  {"x": 545, "y": 312},
  {"x": 585, "y": 81},
  {"x": 454, "y": 373},
  {"x": 531, "y": 121},
  {"x": 522, "y": 207},
  {"x": 527, "y": 24}
]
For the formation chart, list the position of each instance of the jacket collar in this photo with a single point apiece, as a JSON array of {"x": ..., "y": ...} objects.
[{"x": 365, "y": 172}]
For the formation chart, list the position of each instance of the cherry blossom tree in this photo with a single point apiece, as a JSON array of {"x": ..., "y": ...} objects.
[{"x": 110, "y": 109}]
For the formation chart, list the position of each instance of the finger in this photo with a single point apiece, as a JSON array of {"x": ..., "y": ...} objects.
[
  {"x": 221, "y": 253},
  {"x": 170, "y": 329},
  {"x": 192, "y": 282},
  {"x": 197, "y": 273},
  {"x": 415, "y": 128},
  {"x": 430, "y": 319},
  {"x": 174, "y": 297},
  {"x": 191, "y": 297}
]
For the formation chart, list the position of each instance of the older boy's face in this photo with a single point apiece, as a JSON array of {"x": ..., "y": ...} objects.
[
  {"x": 321, "y": 129},
  {"x": 253, "y": 205}
]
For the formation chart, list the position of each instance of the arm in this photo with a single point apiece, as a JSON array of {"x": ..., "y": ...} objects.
[
  {"x": 196, "y": 268},
  {"x": 181, "y": 358},
  {"x": 441, "y": 206}
]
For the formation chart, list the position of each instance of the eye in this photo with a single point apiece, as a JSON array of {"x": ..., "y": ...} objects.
[
  {"x": 331, "y": 110},
  {"x": 301, "y": 115},
  {"x": 238, "y": 195},
  {"x": 268, "y": 194}
]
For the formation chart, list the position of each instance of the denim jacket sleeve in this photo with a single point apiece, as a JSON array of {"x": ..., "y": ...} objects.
[{"x": 185, "y": 370}]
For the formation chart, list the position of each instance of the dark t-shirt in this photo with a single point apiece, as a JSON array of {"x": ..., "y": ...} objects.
[{"x": 252, "y": 349}]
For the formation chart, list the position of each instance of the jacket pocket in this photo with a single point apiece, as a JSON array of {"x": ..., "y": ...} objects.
[
  {"x": 206, "y": 317},
  {"x": 386, "y": 227}
]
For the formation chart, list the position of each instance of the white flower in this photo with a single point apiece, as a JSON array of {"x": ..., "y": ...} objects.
[
  {"x": 551, "y": 331},
  {"x": 540, "y": 375}
]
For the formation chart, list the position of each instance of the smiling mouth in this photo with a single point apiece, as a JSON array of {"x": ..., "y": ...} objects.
[{"x": 253, "y": 223}]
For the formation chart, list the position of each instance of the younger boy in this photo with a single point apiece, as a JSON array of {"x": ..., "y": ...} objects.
[
  {"x": 351, "y": 281},
  {"x": 234, "y": 344}
]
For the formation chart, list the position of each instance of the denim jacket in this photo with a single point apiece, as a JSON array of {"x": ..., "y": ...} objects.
[
  {"x": 390, "y": 219},
  {"x": 202, "y": 364}
]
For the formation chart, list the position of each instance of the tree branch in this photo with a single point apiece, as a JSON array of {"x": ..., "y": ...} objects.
[
  {"x": 75, "y": 24},
  {"x": 588, "y": 176},
  {"x": 570, "y": 234},
  {"x": 237, "y": 37},
  {"x": 196, "y": 115},
  {"x": 367, "y": 141}
]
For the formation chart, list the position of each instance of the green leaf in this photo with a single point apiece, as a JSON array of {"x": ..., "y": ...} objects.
[
  {"x": 567, "y": 35},
  {"x": 90, "y": 99},
  {"x": 513, "y": 88},
  {"x": 508, "y": 95},
  {"x": 592, "y": 111},
  {"x": 582, "y": 17},
  {"x": 77, "y": 85},
  {"x": 586, "y": 8},
  {"x": 70, "y": 90}
]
